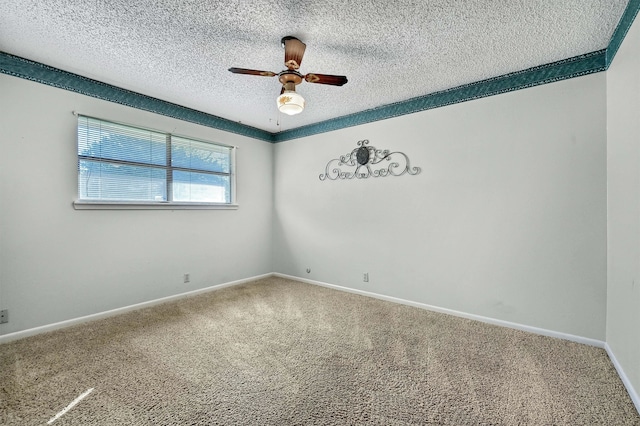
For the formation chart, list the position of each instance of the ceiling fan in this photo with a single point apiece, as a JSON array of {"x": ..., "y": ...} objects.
[{"x": 289, "y": 101}]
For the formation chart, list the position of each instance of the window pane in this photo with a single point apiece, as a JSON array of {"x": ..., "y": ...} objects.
[
  {"x": 190, "y": 154},
  {"x": 102, "y": 139},
  {"x": 117, "y": 182},
  {"x": 201, "y": 187}
]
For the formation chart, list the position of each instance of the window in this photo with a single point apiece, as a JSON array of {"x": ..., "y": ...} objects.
[{"x": 121, "y": 164}]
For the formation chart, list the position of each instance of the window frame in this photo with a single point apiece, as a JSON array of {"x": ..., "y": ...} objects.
[{"x": 89, "y": 204}]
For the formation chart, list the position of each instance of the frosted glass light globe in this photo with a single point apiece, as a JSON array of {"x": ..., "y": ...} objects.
[{"x": 290, "y": 102}]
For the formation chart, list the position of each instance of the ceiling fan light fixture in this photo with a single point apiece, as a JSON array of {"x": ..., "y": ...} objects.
[{"x": 290, "y": 102}]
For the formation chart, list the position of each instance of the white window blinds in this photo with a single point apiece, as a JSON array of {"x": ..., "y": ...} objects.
[{"x": 120, "y": 163}]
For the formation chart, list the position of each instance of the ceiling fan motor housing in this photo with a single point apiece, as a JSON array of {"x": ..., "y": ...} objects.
[{"x": 290, "y": 79}]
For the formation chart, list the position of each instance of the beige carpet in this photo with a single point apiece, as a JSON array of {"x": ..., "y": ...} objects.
[{"x": 278, "y": 352}]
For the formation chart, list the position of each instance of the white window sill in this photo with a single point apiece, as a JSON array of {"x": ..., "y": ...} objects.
[{"x": 123, "y": 205}]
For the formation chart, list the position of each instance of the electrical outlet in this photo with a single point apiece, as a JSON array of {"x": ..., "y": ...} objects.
[
  {"x": 4, "y": 316},
  {"x": 365, "y": 278},
  {"x": 187, "y": 278}
]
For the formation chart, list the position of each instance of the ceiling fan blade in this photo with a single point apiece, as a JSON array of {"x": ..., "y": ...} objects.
[
  {"x": 293, "y": 52},
  {"x": 252, "y": 72},
  {"x": 334, "y": 80}
]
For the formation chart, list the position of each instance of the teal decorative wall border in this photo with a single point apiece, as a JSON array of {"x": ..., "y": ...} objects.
[
  {"x": 561, "y": 70},
  {"x": 622, "y": 29},
  {"x": 41, "y": 73},
  {"x": 556, "y": 71}
]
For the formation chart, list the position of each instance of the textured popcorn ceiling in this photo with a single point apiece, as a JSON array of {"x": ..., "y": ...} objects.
[{"x": 391, "y": 51}]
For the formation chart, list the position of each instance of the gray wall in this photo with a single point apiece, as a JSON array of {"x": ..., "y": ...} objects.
[
  {"x": 507, "y": 219},
  {"x": 57, "y": 263},
  {"x": 623, "y": 171}
]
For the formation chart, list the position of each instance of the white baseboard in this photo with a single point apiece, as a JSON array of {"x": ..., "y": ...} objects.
[
  {"x": 625, "y": 380},
  {"x": 55, "y": 326},
  {"x": 62, "y": 324},
  {"x": 536, "y": 330}
]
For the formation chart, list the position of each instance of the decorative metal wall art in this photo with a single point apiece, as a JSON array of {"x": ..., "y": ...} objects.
[{"x": 367, "y": 161}]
